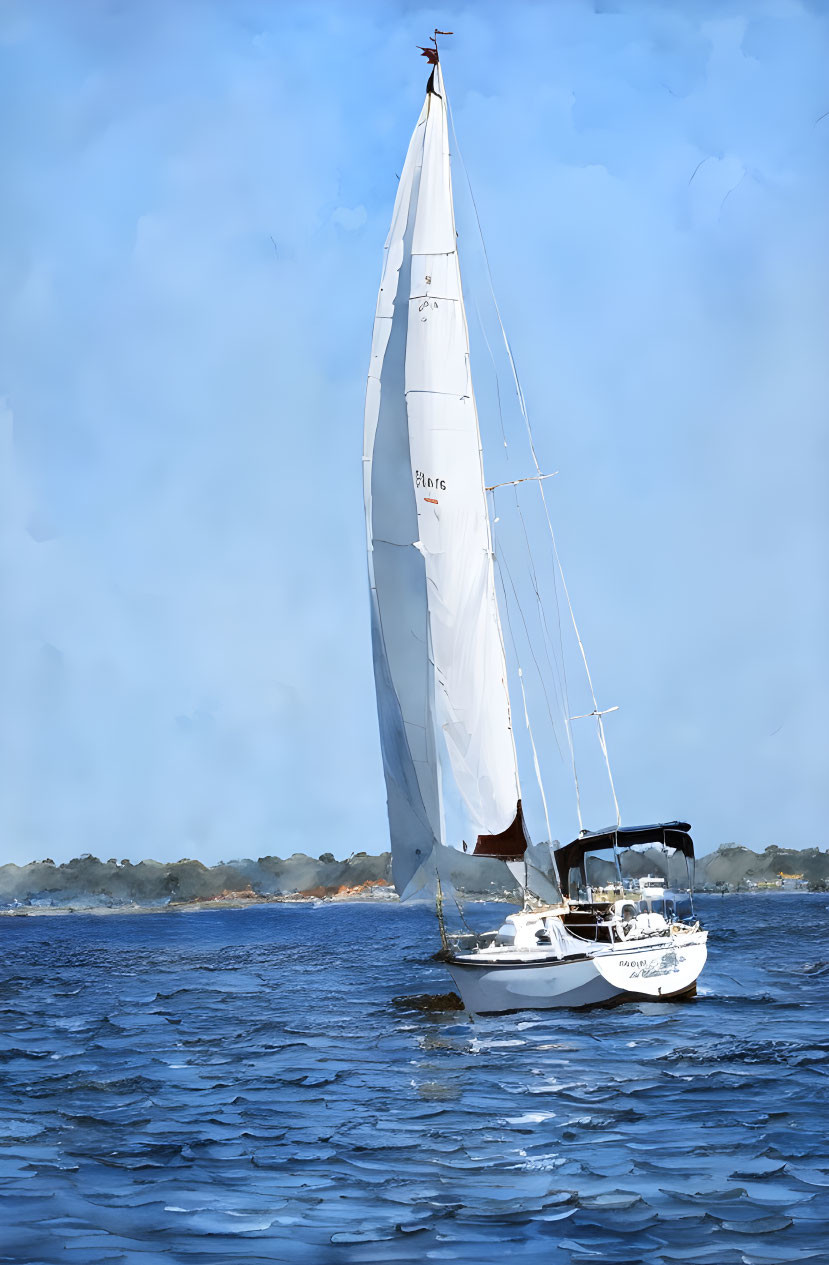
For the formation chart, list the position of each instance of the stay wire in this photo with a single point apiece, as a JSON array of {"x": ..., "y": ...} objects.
[
  {"x": 536, "y": 764},
  {"x": 565, "y": 691},
  {"x": 524, "y": 413},
  {"x": 502, "y": 559},
  {"x": 547, "y": 639}
]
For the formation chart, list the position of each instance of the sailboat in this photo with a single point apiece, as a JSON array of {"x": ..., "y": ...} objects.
[{"x": 443, "y": 699}]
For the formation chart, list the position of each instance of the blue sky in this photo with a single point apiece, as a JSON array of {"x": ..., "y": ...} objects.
[{"x": 196, "y": 199}]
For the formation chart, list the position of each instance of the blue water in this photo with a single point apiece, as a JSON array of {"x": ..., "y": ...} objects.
[{"x": 236, "y": 1085}]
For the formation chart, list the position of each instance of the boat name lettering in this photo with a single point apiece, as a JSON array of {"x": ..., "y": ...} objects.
[{"x": 668, "y": 962}]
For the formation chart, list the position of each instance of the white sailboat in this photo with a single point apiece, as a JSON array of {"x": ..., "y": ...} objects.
[{"x": 439, "y": 660}]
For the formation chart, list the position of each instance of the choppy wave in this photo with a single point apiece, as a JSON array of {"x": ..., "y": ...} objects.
[{"x": 240, "y": 1085}]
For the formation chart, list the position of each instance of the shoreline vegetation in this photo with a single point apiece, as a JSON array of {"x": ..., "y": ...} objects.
[
  {"x": 89, "y": 885},
  {"x": 368, "y": 893}
]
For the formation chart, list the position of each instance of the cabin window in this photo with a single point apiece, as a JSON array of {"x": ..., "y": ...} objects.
[{"x": 575, "y": 884}]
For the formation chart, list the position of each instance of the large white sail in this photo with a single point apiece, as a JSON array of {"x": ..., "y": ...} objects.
[{"x": 439, "y": 662}]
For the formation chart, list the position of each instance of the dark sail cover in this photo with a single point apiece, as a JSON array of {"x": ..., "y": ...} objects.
[{"x": 510, "y": 844}]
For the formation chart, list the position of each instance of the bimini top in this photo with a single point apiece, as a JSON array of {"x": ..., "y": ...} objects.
[{"x": 672, "y": 834}]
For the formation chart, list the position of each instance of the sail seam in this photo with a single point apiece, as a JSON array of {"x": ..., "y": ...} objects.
[{"x": 449, "y": 395}]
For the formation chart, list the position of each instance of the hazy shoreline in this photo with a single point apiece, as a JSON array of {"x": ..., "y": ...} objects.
[
  {"x": 194, "y": 906},
  {"x": 391, "y": 898},
  {"x": 89, "y": 885}
]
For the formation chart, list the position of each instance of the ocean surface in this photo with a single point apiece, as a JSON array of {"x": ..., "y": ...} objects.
[{"x": 239, "y": 1085}]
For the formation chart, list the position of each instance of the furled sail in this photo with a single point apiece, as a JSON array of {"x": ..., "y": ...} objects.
[{"x": 439, "y": 664}]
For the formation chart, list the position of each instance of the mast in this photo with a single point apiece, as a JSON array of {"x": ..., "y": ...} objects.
[{"x": 439, "y": 662}]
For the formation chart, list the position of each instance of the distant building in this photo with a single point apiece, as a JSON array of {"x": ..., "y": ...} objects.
[{"x": 792, "y": 882}]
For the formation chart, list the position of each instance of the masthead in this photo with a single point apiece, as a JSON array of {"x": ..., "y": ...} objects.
[{"x": 431, "y": 54}]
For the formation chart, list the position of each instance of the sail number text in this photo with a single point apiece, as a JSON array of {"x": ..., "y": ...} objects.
[{"x": 427, "y": 481}]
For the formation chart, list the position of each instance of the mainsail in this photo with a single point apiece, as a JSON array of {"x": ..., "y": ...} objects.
[{"x": 439, "y": 663}]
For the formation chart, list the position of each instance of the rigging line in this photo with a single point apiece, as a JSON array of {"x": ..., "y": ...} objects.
[
  {"x": 513, "y": 483},
  {"x": 521, "y": 679},
  {"x": 530, "y": 478},
  {"x": 494, "y": 365},
  {"x": 523, "y": 407},
  {"x": 543, "y": 615},
  {"x": 532, "y": 448},
  {"x": 546, "y": 638},
  {"x": 502, "y": 559},
  {"x": 531, "y": 649},
  {"x": 460, "y": 911},
  {"x": 599, "y": 721},
  {"x": 535, "y": 758},
  {"x": 562, "y": 658},
  {"x": 559, "y": 687},
  {"x": 565, "y": 706},
  {"x": 524, "y": 697}
]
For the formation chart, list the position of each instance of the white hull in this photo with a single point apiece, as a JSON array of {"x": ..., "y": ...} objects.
[{"x": 658, "y": 969}]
